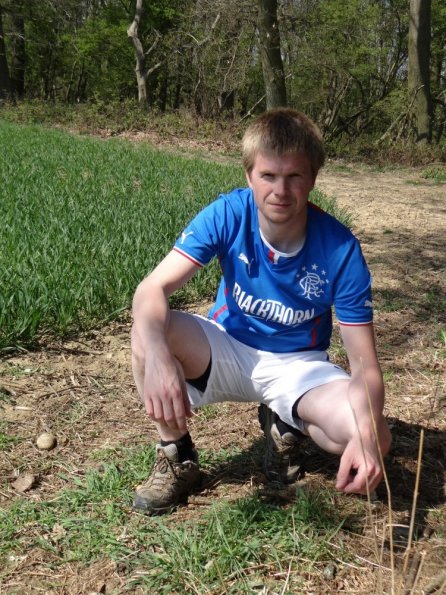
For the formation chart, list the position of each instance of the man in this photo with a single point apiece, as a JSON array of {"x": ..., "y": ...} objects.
[{"x": 284, "y": 264}]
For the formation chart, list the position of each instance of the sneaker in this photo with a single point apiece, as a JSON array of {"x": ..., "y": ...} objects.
[
  {"x": 169, "y": 482},
  {"x": 280, "y": 462}
]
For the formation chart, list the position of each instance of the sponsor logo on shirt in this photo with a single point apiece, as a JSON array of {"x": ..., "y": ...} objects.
[{"x": 269, "y": 310}]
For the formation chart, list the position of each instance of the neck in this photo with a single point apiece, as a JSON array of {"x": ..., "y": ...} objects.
[{"x": 284, "y": 237}]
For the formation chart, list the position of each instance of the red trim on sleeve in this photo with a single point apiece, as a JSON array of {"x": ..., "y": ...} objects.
[
  {"x": 199, "y": 264},
  {"x": 219, "y": 311}
]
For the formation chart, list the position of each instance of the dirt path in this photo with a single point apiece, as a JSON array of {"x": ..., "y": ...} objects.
[{"x": 83, "y": 390}]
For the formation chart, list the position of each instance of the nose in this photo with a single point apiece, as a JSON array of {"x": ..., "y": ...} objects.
[{"x": 280, "y": 187}]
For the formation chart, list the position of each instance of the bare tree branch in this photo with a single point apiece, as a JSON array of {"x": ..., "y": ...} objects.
[{"x": 209, "y": 36}]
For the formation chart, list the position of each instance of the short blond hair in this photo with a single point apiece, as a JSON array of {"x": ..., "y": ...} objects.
[{"x": 282, "y": 131}]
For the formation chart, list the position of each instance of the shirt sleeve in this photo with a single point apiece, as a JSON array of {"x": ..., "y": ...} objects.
[
  {"x": 353, "y": 291},
  {"x": 202, "y": 239}
]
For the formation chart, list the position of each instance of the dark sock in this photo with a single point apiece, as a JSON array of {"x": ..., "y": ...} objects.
[
  {"x": 285, "y": 428},
  {"x": 184, "y": 445}
]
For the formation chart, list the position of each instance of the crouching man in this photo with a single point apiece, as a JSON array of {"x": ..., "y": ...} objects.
[{"x": 285, "y": 263}]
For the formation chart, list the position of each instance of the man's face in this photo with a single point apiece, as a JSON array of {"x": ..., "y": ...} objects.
[{"x": 281, "y": 185}]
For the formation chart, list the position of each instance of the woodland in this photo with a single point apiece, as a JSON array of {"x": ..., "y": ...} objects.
[{"x": 372, "y": 73}]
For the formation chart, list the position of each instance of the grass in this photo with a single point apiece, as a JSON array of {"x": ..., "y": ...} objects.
[
  {"x": 85, "y": 219},
  {"x": 89, "y": 520},
  {"x": 6, "y": 440},
  {"x": 435, "y": 173},
  {"x": 245, "y": 541}
]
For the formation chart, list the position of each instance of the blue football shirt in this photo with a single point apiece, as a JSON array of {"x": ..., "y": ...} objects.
[{"x": 274, "y": 301}]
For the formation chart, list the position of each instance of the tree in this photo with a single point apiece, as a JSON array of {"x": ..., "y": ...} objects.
[
  {"x": 438, "y": 68},
  {"x": 419, "y": 68},
  {"x": 141, "y": 70},
  {"x": 17, "y": 48},
  {"x": 272, "y": 65},
  {"x": 5, "y": 80}
]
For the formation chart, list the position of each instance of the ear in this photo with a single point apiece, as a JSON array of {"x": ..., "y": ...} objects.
[{"x": 248, "y": 178}]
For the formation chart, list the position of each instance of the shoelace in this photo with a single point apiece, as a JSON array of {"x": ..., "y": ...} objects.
[{"x": 161, "y": 468}]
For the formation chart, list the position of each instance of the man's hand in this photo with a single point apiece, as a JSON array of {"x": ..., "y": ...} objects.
[
  {"x": 360, "y": 469},
  {"x": 165, "y": 395}
]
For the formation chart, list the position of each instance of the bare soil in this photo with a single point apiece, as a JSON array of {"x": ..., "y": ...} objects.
[{"x": 82, "y": 391}]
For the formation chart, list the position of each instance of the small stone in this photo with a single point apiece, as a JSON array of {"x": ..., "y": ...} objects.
[
  {"x": 24, "y": 482},
  {"x": 46, "y": 441},
  {"x": 329, "y": 572}
]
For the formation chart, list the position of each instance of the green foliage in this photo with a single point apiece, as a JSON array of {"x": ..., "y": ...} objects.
[
  {"x": 235, "y": 539},
  {"x": 436, "y": 173},
  {"x": 329, "y": 204},
  {"x": 345, "y": 62},
  {"x": 84, "y": 220},
  {"x": 6, "y": 439},
  {"x": 98, "y": 58}
]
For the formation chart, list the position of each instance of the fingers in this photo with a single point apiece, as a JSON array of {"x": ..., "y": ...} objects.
[
  {"x": 345, "y": 475},
  {"x": 359, "y": 472},
  {"x": 359, "y": 481},
  {"x": 362, "y": 486},
  {"x": 165, "y": 395},
  {"x": 169, "y": 411},
  {"x": 170, "y": 406}
]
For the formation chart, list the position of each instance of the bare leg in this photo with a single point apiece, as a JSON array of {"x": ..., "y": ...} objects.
[
  {"x": 330, "y": 420},
  {"x": 328, "y": 416},
  {"x": 190, "y": 348}
]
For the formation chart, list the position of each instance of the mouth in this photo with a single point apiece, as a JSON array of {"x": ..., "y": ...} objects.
[{"x": 280, "y": 205}]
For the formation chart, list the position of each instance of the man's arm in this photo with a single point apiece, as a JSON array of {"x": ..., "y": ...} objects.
[
  {"x": 164, "y": 392},
  {"x": 366, "y": 397}
]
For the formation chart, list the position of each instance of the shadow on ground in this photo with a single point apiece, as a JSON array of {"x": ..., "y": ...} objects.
[
  {"x": 401, "y": 469},
  {"x": 415, "y": 267}
]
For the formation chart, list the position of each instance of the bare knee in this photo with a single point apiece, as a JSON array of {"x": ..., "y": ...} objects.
[
  {"x": 137, "y": 347},
  {"x": 138, "y": 361}
]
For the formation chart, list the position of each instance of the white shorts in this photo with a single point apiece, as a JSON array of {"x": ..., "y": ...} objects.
[{"x": 243, "y": 373}]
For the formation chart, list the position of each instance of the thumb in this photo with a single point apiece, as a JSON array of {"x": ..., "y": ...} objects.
[
  {"x": 187, "y": 405},
  {"x": 344, "y": 475}
]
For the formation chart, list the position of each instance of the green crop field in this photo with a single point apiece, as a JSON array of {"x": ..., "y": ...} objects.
[{"x": 84, "y": 220}]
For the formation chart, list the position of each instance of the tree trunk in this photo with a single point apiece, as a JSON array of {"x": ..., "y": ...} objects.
[
  {"x": 140, "y": 68},
  {"x": 272, "y": 65},
  {"x": 419, "y": 71},
  {"x": 5, "y": 81},
  {"x": 18, "y": 60}
]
